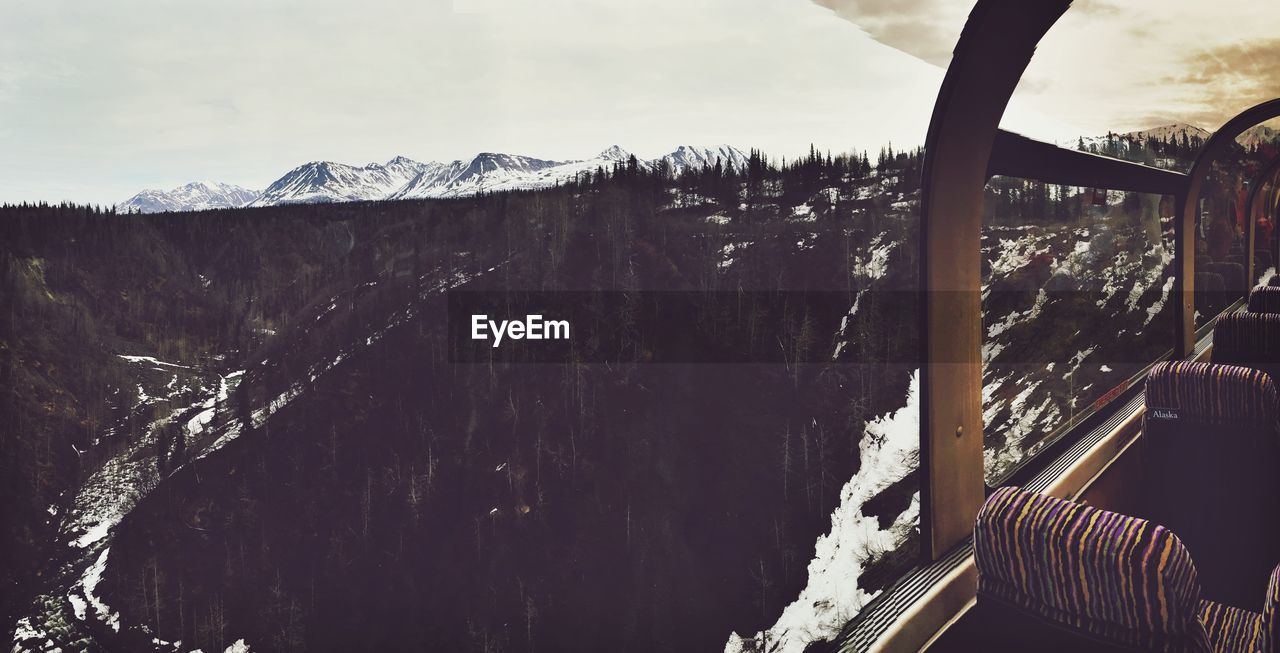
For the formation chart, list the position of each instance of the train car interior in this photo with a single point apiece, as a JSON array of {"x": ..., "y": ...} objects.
[{"x": 1153, "y": 525}]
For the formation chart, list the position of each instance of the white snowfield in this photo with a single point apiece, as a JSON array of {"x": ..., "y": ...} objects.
[
  {"x": 889, "y": 450},
  {"x": 195, "y": 196},
  {"x": 404, "y": 178}
]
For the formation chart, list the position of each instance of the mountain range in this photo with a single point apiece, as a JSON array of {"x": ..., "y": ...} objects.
[
  {"x": 195, "y": 196},
  {"x": 405, "y": 178},
  {"x": 1257, "y": 135}
]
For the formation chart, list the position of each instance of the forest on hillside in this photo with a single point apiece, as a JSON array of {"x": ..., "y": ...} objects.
[
  {"x": 244, "y": 424},
  {"x": 250, "y": 428}
]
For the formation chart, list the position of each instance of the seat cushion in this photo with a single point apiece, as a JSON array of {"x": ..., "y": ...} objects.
[
  {"x": 1117, "y": 578},
  {"x": 1231, "y": 629}
]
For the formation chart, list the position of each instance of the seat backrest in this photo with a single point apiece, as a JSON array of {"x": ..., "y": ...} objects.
[
  {"x": 1211, "y": 394},
  {"x": 1211, "y": 455},
  {"x": 1264, "y": 299},
  {"x": 1210, "y": 282},
  {"x": 1271, "y": 615},
  {"x": 1116, "y": 579},
  {"x": 1248, "y": 339},
  {"x": 1233, "y": 276}
]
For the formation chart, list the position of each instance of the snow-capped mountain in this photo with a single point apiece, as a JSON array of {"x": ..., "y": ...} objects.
[
  {"x": 404, "y": 178},
  {"x": 1166, "y": 132},
  {"x": 195, "y": 196},
  {"x": 687, "y": 158},
  {"x": 326, "y": 181},
  {"x": 1259, "y": 135},
  {"x": 489, "y": 172}
]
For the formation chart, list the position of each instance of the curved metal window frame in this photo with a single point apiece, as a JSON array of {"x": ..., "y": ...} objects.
[{"x": 964, "y": 148}]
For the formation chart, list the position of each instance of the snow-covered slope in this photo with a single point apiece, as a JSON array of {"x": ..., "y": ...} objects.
[
  {"x": 1259, "y": 135},
  {"x": 890, "y": 451},
  {"x": 1165, "y": 132},
  {"x": 326, "y": 181},
  {"x": 404, "y": 178},
  {"x": 195, "y": 196},
  {"x": 489, "y": 172},
  {"x": 692, "y": 158}
]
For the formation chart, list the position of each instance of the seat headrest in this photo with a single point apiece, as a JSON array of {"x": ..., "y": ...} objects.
[
  {"x": 1115, "y": 577},
  {"x": 1244, "y": 338},
  {"x": 1210, "y": 393},
  {"x": 1264, "y": 299},
  {"x": 1233, "y": 274}
]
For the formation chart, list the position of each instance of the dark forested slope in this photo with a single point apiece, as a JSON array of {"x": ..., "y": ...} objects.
[{"x": 352, "y": 489}]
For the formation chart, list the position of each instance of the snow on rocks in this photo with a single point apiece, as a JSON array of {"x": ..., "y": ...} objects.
[
  {"x": 152, "y": 360},
  {"x": 889, "y": 452},
  {"x": 89, "y": 582},
  {"x": 731, "y": 250},
  {"x": 876, "y": 263}
]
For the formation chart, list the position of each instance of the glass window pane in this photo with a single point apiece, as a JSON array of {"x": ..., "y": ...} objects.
[
  {"x": 1220, "y": 263},
  {"x": 1077, "y": 286}
]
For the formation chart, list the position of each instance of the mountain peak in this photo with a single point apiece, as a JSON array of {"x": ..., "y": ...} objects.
[
  {"x": 192, "y": 196},
  {"x": 614, "y": 153},
  {"x": 1176, "y": 129},
  {"x": 402, "y": 177},
  {"x": 693, "y": 157}
]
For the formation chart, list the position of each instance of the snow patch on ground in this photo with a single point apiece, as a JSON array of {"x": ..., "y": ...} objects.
[
  {"x": 90, "y": 581},
  {"x": 1014, "y": 254},
  {"x": 152, "y": 361},
  {"x": 730, "y": 251},
  {"x": 889, "y": 451},
  {"x": 1015, "y": 318},
  {"x": 876, "y": 264},
  {"x": 1155, "y": 308}
]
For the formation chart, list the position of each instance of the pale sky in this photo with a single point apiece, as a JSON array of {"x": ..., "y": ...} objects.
[
  {"x": 101, "y": 100},
  {"x": 1111, "y": 65}
]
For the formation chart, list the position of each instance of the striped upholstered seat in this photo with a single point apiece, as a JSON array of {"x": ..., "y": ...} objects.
[
  {"x": 1248, "y": 339},
  {"x": 1210, "y": 394},
  {"x": 1106, "y": 580},
  {"x": 1264, "y": 299},
  {"x": 1231, "y": 629},
  {"x": 1233, "y": 276},
  {"x": 1101, "y": 575},
  {"x": 1211, "y": 451}
]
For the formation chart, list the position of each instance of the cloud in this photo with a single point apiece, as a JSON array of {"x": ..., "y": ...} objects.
[
  {"x": 241, "y": 91},
  {"x": 1227, "y": 79},
  {"x": 926, "y": 29},
  {"x": 1097, "y": 7}
]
